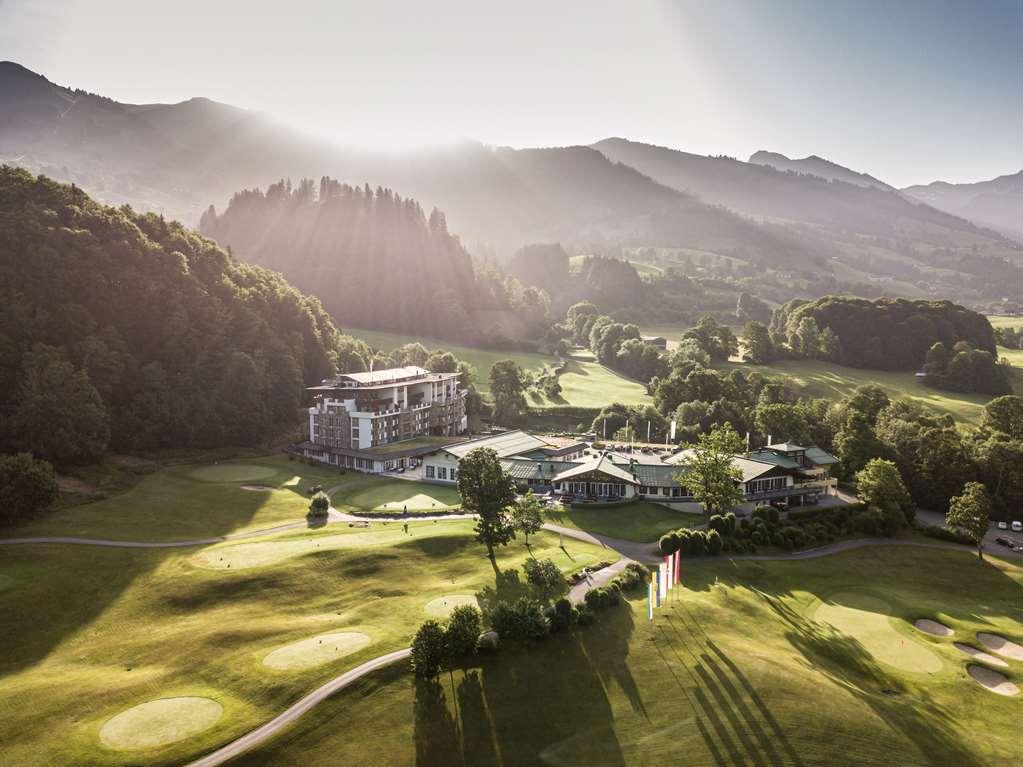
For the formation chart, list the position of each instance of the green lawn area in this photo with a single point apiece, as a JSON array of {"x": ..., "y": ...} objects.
[
  {"x": 586, "y": 383},
  {"x": 392, "y": 495},
  {"x": 481, "y": 359},
  {"x": 91, "y": 633},
  {"x": 825, "y": 379},
  {"x": 759, "y": 663},
  {"x": 411, "y": 444},
  {"x": 641, "y": 522},
  {"x": 1005, "y": 321}
]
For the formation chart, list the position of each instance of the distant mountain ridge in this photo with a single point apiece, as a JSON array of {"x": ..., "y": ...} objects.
[
  {"x": 817, "y": 166},
  {"x": 997, "y": 203}
]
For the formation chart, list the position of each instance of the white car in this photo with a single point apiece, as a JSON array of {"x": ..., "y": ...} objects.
[
  {"x": 1003, "y": 525},
  {"x": 1017, "y": 526}
]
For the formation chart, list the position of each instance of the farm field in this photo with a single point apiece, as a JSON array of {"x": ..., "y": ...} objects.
[
  {"x": 111, "y": 654},
  {"x": 641, "y": 522},
  {"x": 764, "y": 663},
  {"x": 1005, "y": 321}
]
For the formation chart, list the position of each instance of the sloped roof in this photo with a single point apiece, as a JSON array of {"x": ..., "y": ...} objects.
[
  {"x": 660, "y": 476},
  {"x": 602, "y": 464},
  {"x": 820, "y": 457},
  {"x": 752, "y": 468},
  {"x": 776, "y": 458},
  {"x": 786, "y": 447},
  {"x": 519, "y": 468},
  {"x": 506, "y": 444}
]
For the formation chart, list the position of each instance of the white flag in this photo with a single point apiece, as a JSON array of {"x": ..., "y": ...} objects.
[{"x": 672, "y": 429}]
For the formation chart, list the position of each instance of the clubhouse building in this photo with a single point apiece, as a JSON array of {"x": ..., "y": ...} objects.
[{"x": 576, "y": 472}]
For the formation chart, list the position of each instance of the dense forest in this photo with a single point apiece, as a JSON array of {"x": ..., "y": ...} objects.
[
  {"x": 375, "y": 259},
  {"x": 886, "y": 334},
  {"x": 128, "y": 331}
]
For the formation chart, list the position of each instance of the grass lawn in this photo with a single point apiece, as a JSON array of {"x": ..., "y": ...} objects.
[
  {"x": 641, "y": 522},
  {"x": 1005, "y": 321},
  {"x": 90, "y": 634},
  {"x": 411, "y": 444},
  {"x": 825, "y": 379},
  {"x": 747, "y": 668},
  {"x": 392, "y": 495},
  {"x": 481, "y": 359}
]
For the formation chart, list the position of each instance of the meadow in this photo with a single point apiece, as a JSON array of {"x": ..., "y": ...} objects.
[
  {"x": 761, "y": 663},
  {"x": 639, "y": 522},
  {"x": 154, "y": 656}
]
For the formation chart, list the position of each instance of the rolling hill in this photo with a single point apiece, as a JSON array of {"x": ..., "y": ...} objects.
[{"x": 997, "y": 203}]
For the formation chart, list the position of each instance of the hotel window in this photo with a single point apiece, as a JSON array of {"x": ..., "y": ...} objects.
[
  {"x": 442, "y": 472},
  {"x": 454, "y": 474},
  {"x": 429, "y": 472}
]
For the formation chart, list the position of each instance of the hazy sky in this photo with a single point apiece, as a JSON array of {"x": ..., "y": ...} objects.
[{"x": 907, "y": 90}]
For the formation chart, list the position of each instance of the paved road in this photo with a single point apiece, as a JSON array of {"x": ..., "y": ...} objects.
[{"x": 293, "y": 712}]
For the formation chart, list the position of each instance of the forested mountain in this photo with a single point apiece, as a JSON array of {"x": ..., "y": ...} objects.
[
  {"x": 131, "y": 331},
  {"x": 864, "y": 234},
  {"x": 997, "y": 203},
  {"x": 817, "y": 166},
  {"x": 376, "y": 260}
]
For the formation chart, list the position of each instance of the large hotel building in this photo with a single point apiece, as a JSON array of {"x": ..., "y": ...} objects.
[{"x": 359, "y": 420}]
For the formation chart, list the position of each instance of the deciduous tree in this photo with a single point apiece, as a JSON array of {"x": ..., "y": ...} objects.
[
  {"x": 971, "y": 513},
  {"x": 487, "y": 491}
]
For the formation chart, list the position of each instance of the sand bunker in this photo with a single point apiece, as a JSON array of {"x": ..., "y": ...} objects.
[
  {"x": 257, "y": 488},
  {"x": 231, "y": 472},
  {"x": 866, "y": 619},
  {"x": 1001, "y": 645},
  {"x": 442, "y": 607},
  {"x": 316, "y": 650},
  {"x": 980, "y": 655},
  {"x": 933, "y": 627},
  {"x": 992, "y": 680},
  {"x": 239, "y": 556},
  {"x": 159, "y": 722}
]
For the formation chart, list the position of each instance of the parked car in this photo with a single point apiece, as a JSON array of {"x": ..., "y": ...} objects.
[
  {"x": 1017, "y": 526},
  {"x": 1001, "y": 540},
  {"x": 1003, "y": 525},
  {"x": 401, "y": 469}
]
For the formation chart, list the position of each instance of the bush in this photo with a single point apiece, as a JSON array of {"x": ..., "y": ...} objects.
[
  {"x": 584, "y": 616},
  {"x": 718, "y": 524},
  {"x": 759, "y": 538},
  {"x": 522, "y": 620},
  {"x": 597, "y": 599},
  {"x": 762, "y": 512},
  {"x": 633, "y": 576},
  {"x": 714, "y": 543},
  {"x": 744, "y": 524},
  {"x": 946, "y": 534},
  {"x": 729, "y": 524},
  {"x": 668, "y": 544},
  {"x": 772, "y": 515},
  {"x": 27, "y": 486},
  {"x": 428, "y": 650},
  {"x": 319, "y": 505},
  {"x": 544, "y": 576},
  {"x": 462, "y": 632},
  {"x": 870, "y": 522}
]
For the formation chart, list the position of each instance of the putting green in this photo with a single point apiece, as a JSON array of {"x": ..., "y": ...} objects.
[
  {"x": 867, "y": 620},
  {"x": 442, "y": 607},
  {"x": 316, "y": 650},
  {"x": 401, "y": 494},
  {"x": 243, "y": 555},
  {"x": 159, "y": 722},
  {"x": 231, "y": 472}
]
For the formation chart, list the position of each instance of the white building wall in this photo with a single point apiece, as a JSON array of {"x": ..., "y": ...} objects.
[{"x": 438, "y": 465}]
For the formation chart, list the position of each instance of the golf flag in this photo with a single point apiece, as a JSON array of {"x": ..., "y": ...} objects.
[
  {"x": 662, "y": 573},
  {"x": 672, "y": 429}
]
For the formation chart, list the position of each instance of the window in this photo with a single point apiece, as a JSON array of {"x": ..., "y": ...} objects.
[
  {"x": 429, "y": 472},
  {"x": 454, "y": 474},
  {"x": 442, "y": 472}
]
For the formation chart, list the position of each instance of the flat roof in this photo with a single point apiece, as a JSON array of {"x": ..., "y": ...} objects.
[
  {"x": 382, "y": 378},
  {"x": 506, "y": 444}
]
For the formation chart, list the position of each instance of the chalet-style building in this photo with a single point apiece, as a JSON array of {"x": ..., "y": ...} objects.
[
  {"x": 785, "y": 473},
  {"x": 383, "y": 419}
]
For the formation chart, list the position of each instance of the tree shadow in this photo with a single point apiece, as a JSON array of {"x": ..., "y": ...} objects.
[{"x": 436, "y": 735}]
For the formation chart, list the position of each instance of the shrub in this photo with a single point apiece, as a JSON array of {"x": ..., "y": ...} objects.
[
  {"x": 522, "y": 620},
  {"x": 428, "y": 650},
  {"x": 870, "y": 522},
  {"x": 717, "y": 523},
  {"x": 759, "y": 538},
  {"x": 729, "y": 523},
  {"x": 544, "y": 576},
  {"x": 744, "y": 523},
  {"x": 668, "y": 544},
  {"x": 714, "y": 543},
  {"x": 319, "y": 505},
  {"x": 462, "y": 632},
  {"x": 772, "y": 515},
  {"x": 946, "y": 534},
  {"x": 762, "y": 512},
  {"x": 779, "y": 540},
  {"x": 585, "y": 616},
  {"x": 596, "y": 599}
]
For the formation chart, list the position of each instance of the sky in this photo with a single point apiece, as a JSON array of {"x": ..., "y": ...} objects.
[{"x": 906, "y": 90}]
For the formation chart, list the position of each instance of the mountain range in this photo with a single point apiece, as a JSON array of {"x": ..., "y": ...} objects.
[
  {"x": 997, "y": 203},
  {"x": 809, "y": 226}
]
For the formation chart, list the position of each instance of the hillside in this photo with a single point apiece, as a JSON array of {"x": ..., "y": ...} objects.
[
  {"x": 817, "y": 166},
  {"x": 127, "y": 330},
  {"x": 997, "y": 203},
  {"x": 868, "y": 235}
]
